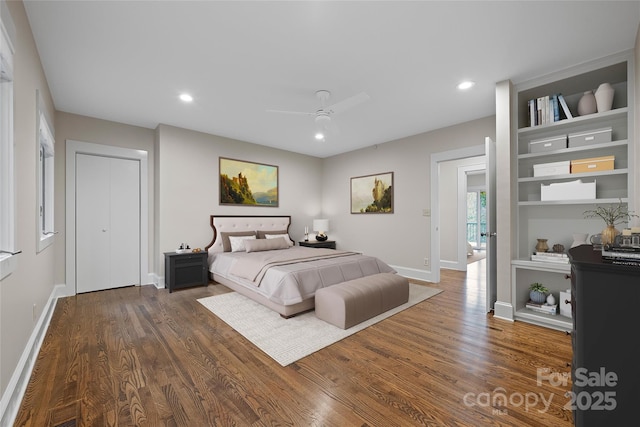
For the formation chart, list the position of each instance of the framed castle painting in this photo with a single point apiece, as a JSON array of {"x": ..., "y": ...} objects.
[
  {"x": 248, "y": 183},
  {"x": 372, "y": 194}
]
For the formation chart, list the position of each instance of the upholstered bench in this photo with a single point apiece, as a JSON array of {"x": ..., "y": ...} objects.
[{"x": 354, "y": 301}]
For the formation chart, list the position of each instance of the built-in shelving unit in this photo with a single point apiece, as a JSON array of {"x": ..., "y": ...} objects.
[{"x": 558, "y": 220}]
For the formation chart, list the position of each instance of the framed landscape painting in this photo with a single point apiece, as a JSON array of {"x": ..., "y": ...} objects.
[
  {"x": 248, "y": 183},
  {"x": 372, "y": 193}
]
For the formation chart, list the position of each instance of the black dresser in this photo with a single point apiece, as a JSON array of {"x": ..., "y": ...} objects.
[{"x": 606, "y": 357}]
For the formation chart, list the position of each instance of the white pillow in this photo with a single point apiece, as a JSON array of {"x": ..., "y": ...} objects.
[
  {"x": 275, "y": 236},
  {"x": 237, "y": 242},
  {"x": 265, "y": 244}
]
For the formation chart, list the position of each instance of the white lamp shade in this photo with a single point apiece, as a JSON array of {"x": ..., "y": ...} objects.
[{"x": 321, "y": 225}]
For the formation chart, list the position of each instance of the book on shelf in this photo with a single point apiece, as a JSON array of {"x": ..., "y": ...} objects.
[
  {"x": 552, "y": 254},
  {"x": 532, "y": 112},
  {"x": 622, "y": 261},
  {"x": 555, "y": 112},
  {"x": 565, "y": 107},
  {"x": 618, "y": 253},
  {"x": 623, "y": 249},
  {"x": 545, "y": 109},
  {"x": 548, "y": 257},
  {"x": 542, "y": 308}
]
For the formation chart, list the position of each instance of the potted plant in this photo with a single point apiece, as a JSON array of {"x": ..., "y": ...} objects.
[
  {"x": 612, "y": 216},
  {"x": 538, "y": 293}
]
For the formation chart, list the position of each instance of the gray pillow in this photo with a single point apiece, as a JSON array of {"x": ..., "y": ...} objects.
[
  {"x": 226, "y": 244},
  {"x": 266, "y": 244}
]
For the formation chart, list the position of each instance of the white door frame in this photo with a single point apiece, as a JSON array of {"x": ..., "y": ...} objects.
[
  {"x": 79, "y": 147},
  {"x": 436, "y": 158}
]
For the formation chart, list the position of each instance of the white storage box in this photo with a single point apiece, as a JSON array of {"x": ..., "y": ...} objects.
[
  {"x": 565, "y": 303},
  {"x": 556, "y": 168},
  {"x": 574, "y": 190},
  {"x": 548, "y": 144},
  {"x": 596, "y": 136}
]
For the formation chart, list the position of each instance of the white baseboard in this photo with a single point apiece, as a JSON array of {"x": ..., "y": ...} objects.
[
  {"x": 158, "y": 281},
  {"x": 452, "y": 265},
  {"x": 13, "y": 394},
  {"x": 414, "y": 273},
  {"x": 503, "y": 310}
]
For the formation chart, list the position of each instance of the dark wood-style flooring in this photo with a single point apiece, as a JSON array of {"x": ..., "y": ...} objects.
[{"x": 140, "y": 356}]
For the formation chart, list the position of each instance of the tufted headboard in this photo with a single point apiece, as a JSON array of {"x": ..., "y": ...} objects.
[{"x": 227, "y": 223}]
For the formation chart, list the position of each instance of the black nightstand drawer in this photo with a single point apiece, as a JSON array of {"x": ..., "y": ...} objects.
[
  {"x": 329, "y": 244},
  {"x": 185, "y": 270}
]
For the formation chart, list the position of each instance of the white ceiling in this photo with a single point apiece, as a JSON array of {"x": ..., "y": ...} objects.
[{"x": 127, "y": 61}]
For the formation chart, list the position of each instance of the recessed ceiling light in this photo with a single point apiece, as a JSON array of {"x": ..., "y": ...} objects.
[
  {"x": 467, "y": 84},
  {"x": 319, "y": 136},
  {"x": 186, "y": 97}
]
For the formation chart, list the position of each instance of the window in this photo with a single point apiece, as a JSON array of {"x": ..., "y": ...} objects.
[
  {"x": 45, "y": 180},
  {"x": 7, "y": 183}
]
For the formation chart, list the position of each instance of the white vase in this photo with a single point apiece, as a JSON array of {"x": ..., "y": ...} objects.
[
  {"x": 587, "y": 104},
  {"x": 551, "y": 300},
  {"x": 579, "y": 239},
  {"x": 604, "y": 97}
]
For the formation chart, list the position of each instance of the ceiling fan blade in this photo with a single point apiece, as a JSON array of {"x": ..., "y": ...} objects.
[
  {"x": 299, "y": 113},
  {"x": 348, "y": 103}
]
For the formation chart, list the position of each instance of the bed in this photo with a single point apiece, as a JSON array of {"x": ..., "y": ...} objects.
[{"x": 256, "y": 257}]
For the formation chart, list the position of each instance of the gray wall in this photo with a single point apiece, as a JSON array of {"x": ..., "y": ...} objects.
[
  {"x": 87, "y": 129},
  {"x": 402, "y": 238},
  {"x": 187, "y": 186},
  {"x": 24, "y": 293}
]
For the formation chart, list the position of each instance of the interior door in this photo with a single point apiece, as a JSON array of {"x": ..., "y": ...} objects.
[
  {"x": 491, "y": 236},
  {"x": 107, "y": 222}
]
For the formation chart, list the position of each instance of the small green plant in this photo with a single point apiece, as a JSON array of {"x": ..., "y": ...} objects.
[{"x": 538, "y": 287}]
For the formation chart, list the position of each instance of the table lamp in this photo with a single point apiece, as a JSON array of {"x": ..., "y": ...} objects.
[{"x": 321, "y": 226}]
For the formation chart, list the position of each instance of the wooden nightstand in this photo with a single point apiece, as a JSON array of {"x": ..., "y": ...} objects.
[
  {"x": 329, "y": 244},
  {"x": 185, "y": 270}
]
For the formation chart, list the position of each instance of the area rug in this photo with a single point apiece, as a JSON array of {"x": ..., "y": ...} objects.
[
  {"x": 288, "y": 340},
  {"x": 477, "y": 256}
]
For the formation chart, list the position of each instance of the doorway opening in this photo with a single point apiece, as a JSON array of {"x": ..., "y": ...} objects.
[{"x": 445, "y": 232}]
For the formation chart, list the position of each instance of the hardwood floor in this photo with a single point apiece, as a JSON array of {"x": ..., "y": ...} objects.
[{"x": 143, "y": 356}]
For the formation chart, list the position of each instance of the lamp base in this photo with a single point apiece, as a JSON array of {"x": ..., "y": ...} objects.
[{"x": 321, "y": 237}]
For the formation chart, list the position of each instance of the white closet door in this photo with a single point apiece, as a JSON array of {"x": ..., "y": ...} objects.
[
  {"x": 125, "y": 222},
  {"x": 107, "y": 222}
]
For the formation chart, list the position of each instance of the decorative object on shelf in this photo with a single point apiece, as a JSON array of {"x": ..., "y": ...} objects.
[
  {"x": 604, "y": 97},
  {"x": 551, "y": 300},
  {"x": 612, "y": 216},
  {"x": 542, "y": 245},
  {"x": 609, "y": 234},
  {"x": 321, "y": 226},
  {"x": 558, "y": 248},
  {"x": 306, "y": 233},
  {"x": 579, "y": 239},
  {"x": 538, "y": 293},
  {"x": 196, "y": 250},
  {"x": 587, "y": 104}
]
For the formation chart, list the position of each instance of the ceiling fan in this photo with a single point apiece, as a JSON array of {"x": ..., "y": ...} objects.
[{"x": 323, "y": 114}]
